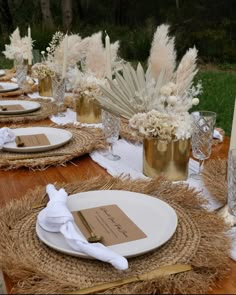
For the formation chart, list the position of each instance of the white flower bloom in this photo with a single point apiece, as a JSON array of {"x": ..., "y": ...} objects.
[
  {"x": 172, "y": 100},
  {"x": 195, "y": 101},
  {"x": 166, "y": 90}
]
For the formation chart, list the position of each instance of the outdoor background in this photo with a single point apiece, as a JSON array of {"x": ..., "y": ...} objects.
[{"x": 209, "y": 25}]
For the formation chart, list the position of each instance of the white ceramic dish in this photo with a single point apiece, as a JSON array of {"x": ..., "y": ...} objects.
[
  {"x": 29, "y": 106},
  {"x": 5, "y": 86},
  {"x": 56, "y": 136},
  {"x": 154, "y": 217}
]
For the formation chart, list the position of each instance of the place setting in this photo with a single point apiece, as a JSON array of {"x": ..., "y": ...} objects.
[
  {"x": 145, "y": 230},
  {"x": 41, "y": 147}
]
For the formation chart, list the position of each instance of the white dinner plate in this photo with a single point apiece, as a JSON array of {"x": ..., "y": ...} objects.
[
  {"x": 5, "y": 86},
  {"x": 2, "y": 73},
  {"x": 29, "y": 106},
  {"x": 154, "y": 217},
  {"x": 57, "y": 137}
]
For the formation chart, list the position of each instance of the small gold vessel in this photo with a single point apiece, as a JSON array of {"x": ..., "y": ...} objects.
[
  {"x": 87, "y": 110},
  {"x": 45, "y": 86},
  {"x": 166, "y": 158}
]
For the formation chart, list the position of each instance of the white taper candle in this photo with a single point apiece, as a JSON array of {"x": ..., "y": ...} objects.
[
  {"x": 65, "y": 54},
  {"x": 29, "y": 47},
  {"x": 108, "y": 57}
]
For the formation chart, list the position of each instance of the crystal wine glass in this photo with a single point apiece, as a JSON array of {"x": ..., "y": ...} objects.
[
  {"x": 202, "y": 135},
  {"x": 58, "y": 93},
  {"x": 111, "y": 128}
]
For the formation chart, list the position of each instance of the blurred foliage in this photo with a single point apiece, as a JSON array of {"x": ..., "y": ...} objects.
[
  {"x": 219, "y": 94},
  {"x": 209, "y": 25}
]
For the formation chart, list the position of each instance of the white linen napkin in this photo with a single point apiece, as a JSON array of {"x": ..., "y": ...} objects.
[
  {"x": 56, "y": 217},
  {"x": 217, "y": 135},
  {"x": 6, "y": 135},
  {"x": 70, "y": 117},
  {"x": 36, "y": 95}
]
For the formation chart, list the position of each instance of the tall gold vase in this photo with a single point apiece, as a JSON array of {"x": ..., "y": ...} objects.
[
  {"x": 87, "y": 110},
  {"x": 45, "y": 86},
  {"x": 166, "y": 158}
]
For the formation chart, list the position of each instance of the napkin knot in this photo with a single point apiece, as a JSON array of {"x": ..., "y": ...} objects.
[
  {"x": 56, "y": 217},
  {"x": 6, "y": 135}
]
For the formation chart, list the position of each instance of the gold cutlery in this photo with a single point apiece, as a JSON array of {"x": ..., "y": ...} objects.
[
  {"x": 159, "y": 272},
  {"x": 108, "y": 185},
  {"x": 93, "y": 238}
]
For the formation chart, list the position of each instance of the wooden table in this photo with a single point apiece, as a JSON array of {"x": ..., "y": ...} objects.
[{"x": 15, "y": 183}]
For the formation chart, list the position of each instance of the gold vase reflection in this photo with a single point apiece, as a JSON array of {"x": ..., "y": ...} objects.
[
  {"x": 87, "y": 110},
  {"x": 45, "y": 86},
  {"x": 166, "y": 158}
]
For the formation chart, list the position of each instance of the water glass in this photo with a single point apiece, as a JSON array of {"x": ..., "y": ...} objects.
[
  {"x": 202, "y": 135},
  {"x": 231, "y": 182},
  {"x": 111, "y": 129},
  {"x": 58, "y": 92},
  {"x": 21, "y": 68}
]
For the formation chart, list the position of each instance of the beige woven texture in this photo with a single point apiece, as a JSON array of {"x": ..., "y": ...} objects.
[
  {"x": 47, "y": 109},
  {"x": 84, "y": 140},
  {"x": 199, "y": 240},
  {"x": 214, "y": 177}
]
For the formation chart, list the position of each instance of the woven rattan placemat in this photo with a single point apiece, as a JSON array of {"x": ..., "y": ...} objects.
[
  {"x": 214, "y": 177},
  {"x": 47, "y": 109},
  {"x": 84, "y": 141},
  {"x": 199, "y": 240}
]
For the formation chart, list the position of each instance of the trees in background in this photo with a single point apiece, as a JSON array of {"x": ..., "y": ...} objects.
[{"x": 210, "y": 25}]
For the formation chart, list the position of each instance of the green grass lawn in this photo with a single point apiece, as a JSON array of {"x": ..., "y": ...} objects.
[{"x": 219, "y": 93}]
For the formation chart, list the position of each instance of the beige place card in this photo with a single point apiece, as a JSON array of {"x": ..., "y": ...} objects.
[
  {"x": 111, "y": 223},
  {"x": 12, "y": 107},
  {"x": 32, "y": 140}
]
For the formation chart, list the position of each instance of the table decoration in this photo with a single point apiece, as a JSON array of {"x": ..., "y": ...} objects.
[
  {"x": 37, "y": 139},
  {"x": 199, "y": 241},
  {"x": 57, "y": 218},
  {"x": 19, "y": 47},
  {"x": 11, "y": 107},
  {"x": 47, "y": 109},
  {"x": 85, "y": 139},
  {"x": 6, "y": 135},
  {"x": 97, "y": 63},
  {"x": 156, "y": 103}
]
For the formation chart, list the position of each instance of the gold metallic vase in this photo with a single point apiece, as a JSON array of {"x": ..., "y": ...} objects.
[
  {"x": 87, "y": 110},
  {"x": 45, "y": 86},
  {"x": 166, "y": 158}
]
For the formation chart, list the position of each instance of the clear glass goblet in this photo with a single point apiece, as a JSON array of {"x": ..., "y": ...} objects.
[
  {"x": 202, "y": 135},
  {"x": 111, "y": 128},
  {"x": 58, "y": 93},
  {"x": 21, "y": 68}
]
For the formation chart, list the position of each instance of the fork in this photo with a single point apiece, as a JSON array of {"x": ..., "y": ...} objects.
[{"x": 108, "y": 185}]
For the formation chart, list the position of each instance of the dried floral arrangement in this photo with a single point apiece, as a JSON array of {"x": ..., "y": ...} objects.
[
  {"x": 53, "y": 55},
  {"x": 92, "y": 67},
  {"x": 18, "y": 46},
  {"x": 156, "y": 102}
]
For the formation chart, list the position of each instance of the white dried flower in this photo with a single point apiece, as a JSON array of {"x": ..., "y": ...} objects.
[
  {"x": 195, "y": 101},
  {"x": 172, "y": 100},
  {"x": 166, "y": 90}
]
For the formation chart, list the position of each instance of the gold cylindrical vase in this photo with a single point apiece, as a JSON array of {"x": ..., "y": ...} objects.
[
  {"x": 168, "y": 158},
  {"x": 87, "y": 110},
  {"x": 45, "y": 86}
]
